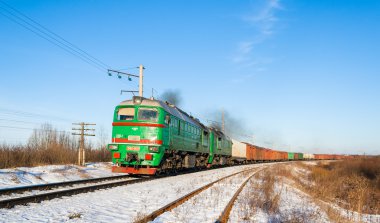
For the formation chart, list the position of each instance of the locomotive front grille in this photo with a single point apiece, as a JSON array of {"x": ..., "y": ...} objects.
[{"x": 131, "y": 157}]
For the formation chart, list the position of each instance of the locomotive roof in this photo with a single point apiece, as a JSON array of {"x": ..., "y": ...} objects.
[{"x": 172, "y": 109}]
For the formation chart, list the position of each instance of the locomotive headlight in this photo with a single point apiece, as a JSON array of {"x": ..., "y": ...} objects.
[
  {"x": 137, "y": 100},
  {"x": 112, "y": 147},
  {"x": 154, "y": 149}
]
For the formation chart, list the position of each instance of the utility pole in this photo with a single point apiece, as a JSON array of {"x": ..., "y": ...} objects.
[
  {"x": 82, "y": 133},
  {"x": 141, "y": 76}
]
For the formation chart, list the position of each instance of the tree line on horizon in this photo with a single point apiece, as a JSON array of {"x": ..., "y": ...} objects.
[{"x": 47, "y": 146}]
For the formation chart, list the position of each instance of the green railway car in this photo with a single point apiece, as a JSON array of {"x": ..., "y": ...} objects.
[
  {"x": 290, "y": 156},
  {"x": 151, "y": 136},
  {"x": 300, "y": 156}
]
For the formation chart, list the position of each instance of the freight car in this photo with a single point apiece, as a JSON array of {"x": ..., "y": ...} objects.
[
  {"x": 243, "y": 152},
  {"x": 151, "y": 136},
  {"x": 308, "y": 156}
]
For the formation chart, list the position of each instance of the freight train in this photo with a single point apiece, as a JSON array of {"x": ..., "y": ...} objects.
[{"x": 152, "y": 137}]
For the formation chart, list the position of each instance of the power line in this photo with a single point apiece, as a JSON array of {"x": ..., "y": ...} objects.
[
  {"x": 13, "y": 112},
  {"x": 49, "y": 40},
  {"x": 46, "y": 130},
  {"x": 13, "y": 120},
  {"x": 52, "y": 37},
  {"x": 58, "y": 36}
]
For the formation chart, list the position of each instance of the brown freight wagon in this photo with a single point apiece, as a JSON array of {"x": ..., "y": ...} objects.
[
  {"x": 259, "y": 153},
  {"x": 274, "y": 155},
  {"x": 283, "y": 155},
  {"x": 324, "y": 157},
  {"x": 296, "y": 156},
  {"x": 267, "y": 154},
  {"x": 251, "y": 152},
  {"x": 277, "y": 155}
]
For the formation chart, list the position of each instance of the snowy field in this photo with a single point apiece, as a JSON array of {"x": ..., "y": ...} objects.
[
  {"x": 53, "y": 173},
  {"x": 120, "y": 204},
  {"x": 209, "y": 204},
  {"x": 269, "y": 196}
]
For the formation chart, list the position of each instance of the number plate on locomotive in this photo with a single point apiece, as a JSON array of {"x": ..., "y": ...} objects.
[
  {"x": 134, "y": 138},
  {"x": 133, "y": 148}
]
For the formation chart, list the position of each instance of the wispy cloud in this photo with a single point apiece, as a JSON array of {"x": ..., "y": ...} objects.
[
  {"x": 244, "y": 49},
  {"x": 263, "y": 20}
]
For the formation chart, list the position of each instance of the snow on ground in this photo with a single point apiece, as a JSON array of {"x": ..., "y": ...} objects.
[
  {"x": 354, "y": 216},
  {"x": 119, "y": 204},
  {"x": 209, "y": 204},
  {"x": 23, "y": 176},
  {"x": 38, "y": 192},
  {"x": 280, "y": 203},
  {"x": 284, "y": 204}
]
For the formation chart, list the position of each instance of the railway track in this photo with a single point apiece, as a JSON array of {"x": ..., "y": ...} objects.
[
  {"x": 186, "y": 197},
  {"x": 49, "y": 186},
  {"x": 9, "y": 203},
  {"x": 223, "y": 218},
  {"x": 35, "y": 198}
]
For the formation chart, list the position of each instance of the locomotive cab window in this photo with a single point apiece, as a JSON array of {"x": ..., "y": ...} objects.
[
  {"x": 148, "y": 114},
  {"x": 167, "y": 120},
  {"x": 126, "y": 114}
]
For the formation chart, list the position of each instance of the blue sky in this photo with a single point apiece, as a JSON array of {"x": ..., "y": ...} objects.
[{"x": 300, "y": 75}]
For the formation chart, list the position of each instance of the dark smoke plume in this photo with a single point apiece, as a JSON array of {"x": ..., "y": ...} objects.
[
  {"x": 172, "y": 96},
  {"x": 234, "y": 126}
]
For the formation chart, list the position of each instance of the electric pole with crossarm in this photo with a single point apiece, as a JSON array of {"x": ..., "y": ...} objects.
[{"x": 82, "y": 133}]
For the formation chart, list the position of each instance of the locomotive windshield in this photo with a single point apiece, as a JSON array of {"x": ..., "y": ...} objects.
[
  {"x": 126, "y": 114},
  {"x": 148, "y": 114}
]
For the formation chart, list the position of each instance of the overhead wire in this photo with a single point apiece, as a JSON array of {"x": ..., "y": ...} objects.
[
  {"x": 14, "y": 112},
  {"x": 58, "y": 36},
  {"x": 30, "y": 24},
  {"x": 19, "y": 121},
  {"x": 50, "y": 41},
  {"x": 50, "y": 36},
  {"x": 14, "y": 127}
]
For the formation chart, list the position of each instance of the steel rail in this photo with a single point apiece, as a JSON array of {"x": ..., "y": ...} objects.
[
  {"x": 184, "y": 198},
  {"x": 9, "y": 203},
  {"x": 223, "y": 218},
  {"x": 48, "y": 186}
]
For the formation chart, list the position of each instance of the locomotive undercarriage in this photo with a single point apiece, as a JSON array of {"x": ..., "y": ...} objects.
[{"x": 174, "y": 161}]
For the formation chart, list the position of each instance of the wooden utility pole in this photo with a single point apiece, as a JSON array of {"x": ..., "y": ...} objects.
[{"x": 82, "y": 133}]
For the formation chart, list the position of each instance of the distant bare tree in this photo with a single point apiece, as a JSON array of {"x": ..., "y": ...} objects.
[{"x": 47, "y": 145}]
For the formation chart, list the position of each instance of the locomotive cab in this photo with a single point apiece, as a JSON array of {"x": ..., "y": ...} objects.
[{"x": 138, "y": 136}]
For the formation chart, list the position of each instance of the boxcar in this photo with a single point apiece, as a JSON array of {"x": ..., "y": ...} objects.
[
  {"x": 290, "y": 156},
  {"x": 260, "y": 153},
  {"x": 284, "y": 155},
  {"x": 239, "y": 151},
  {"x": 251, "y": 152}
]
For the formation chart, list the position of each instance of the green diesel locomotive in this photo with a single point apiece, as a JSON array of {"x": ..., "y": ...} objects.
[{"x": 151, "y": 136}]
